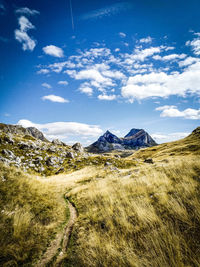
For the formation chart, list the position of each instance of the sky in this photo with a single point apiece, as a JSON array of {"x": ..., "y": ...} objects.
[{"x": 75, "y": 69}]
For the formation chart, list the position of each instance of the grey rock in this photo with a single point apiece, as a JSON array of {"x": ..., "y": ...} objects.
[
  {"x": 60, "y": 170},
  {"x": 57, "y": 142},
  {"x": 78, "y": 147},
  {"x": 52, "y": 149},
  {"x": 8, "y": 153},
  {"x": 41, "y": 169},
  {"x": 107, "y": 163},
  {"x": 69, "y": 155},
  {"x": 51, "y": 161},
  {"x": 23, "y": 145},
  {"x": 9, "y": 139},
  {"x": 4, "y": 160},
  {"x": 149, "y": 160}
]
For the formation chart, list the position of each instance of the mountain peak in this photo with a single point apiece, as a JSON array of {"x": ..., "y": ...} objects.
[{"x": 133, "y": 131}]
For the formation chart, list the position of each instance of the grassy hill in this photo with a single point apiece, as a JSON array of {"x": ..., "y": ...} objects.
[{"x": 139, "y": 215}]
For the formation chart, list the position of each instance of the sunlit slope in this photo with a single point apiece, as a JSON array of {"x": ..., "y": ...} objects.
[
  {"x": 31, "y": 212},
  {"x": 187, "y": 146}
]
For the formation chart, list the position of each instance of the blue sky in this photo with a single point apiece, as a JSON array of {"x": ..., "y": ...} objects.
[{"x": 76, "y": 68}]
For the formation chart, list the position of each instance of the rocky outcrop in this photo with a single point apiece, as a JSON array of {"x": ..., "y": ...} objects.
[
  {"x": 19, "y": 130},
  {"x": 135, "y": 139},
  {"x": 78, "y": 147}
]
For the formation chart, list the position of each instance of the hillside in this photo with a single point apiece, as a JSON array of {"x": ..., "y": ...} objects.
[
  {"x": 190, "y": 145},
  {"x": 29, "y": 150},
  {"x": 130, "y": 212}
]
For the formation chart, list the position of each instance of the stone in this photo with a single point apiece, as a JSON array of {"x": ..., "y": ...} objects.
[
  {"x": 41, "y": 169},
  {"x": 23, "y": 145},
  {"x": 8, "y": 153},
  {"x": 8, "y": 139},
  {"x": 57, "y": 142},
  {"x": 38, "y": 160},
  {"x": 51, "y": 161},
  {"x": 60, "y": 170},
  {"x": 78, "y": 147},
  {"x": 149, "y": 160},
  {"x": 69, "y": 155},
  {"x": 107, "y": 163}
]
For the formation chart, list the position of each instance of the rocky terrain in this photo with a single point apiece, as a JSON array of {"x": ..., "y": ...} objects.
[
  {"x": 28, "y": 149},
  {"x": 135, "y": 139}
]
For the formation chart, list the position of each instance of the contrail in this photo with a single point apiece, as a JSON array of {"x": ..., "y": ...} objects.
[{"x": 70, "y": 1}]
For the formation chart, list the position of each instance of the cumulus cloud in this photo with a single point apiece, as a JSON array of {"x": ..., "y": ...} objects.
[
  {"x": 55, "y": 98},
  {"x": 53, "y": 50},
  {"x": 107, "y": 97},
  {"x": 63, "y": 130},
  {"x": 63, "y": 83},
  {"x": 160, "y": 84},
  {"x": 136, "y": 74},
  {"x": 43, "y": 71},
  {"x": 170, "y": 57},
  {"x": 146, "y": 40},
  {"x": 27, "y": 11},
  {"x": 86, "y": 89},
  {"x": 161, "y": 138},
  {"x": 195, "y": 44},
  {"x": 172, "y": 111},
  {"x": 21, "y": 34},
  {"x": 47, "y": 85}
]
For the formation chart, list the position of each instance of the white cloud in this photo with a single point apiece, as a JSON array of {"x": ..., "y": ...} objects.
[
  {"x": 96, "y": 78},
  {"x": 188, "y": 61},
  {"x": 195, "y": 44},
  {"x": 43, "y": 71},
  {"x": 53, "y": 50},
  {"x": 86, "y": 89},
  {"x": 63, "y": 83},
  {"x": 46, "y": 85},
  {"x": 107, "y": 97},
  {"x": 172, "y": 111},
  {"x": 170, "y": 57},
  {"x": 122, "y": 34},
  {"x": 117, "y": 49},
  {"x": 27, "y": 11},
  {"x": 161, "y": 138},
  {"x": 62, "y": 130},
  {"x": 160, "y": 84},
  {"x": 107, "y": 11},
  {"x": 55, "y": 98},
  {"x": 21, "y": 34},
  {"x": 146, "y": 40}
]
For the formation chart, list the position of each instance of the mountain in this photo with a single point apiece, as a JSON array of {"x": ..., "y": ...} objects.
[
  {"x": 18, "y": 129},
  {"x": 135, "y": 139}
]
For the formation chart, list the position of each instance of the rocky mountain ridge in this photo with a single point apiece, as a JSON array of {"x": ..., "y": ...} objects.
[
  {"x": 29, "y": 150},
  {"x": 135, "y": 139}
]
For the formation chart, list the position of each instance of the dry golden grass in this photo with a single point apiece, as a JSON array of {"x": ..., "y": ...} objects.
[
  {"x": 30, "y": 214},
  {"x": 148, "y": 218},
  {"x": 146, "y": 215}
]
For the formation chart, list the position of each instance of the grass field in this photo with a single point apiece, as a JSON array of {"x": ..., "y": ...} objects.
[{"x": 139, "y": 215}]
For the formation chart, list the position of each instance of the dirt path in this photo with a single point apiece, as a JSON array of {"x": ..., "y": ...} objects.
[{"x": 63, "y": 236}]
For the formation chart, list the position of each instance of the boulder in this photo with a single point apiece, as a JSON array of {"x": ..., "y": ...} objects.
[
  {"x": 8, "y": 153},
  {"x": 23, "y": 145},
  {"x": 69, "y": 155},
  {"x": 8, "y": 139},
  {"x": 57, "y": 142},
  {"x": 78, "y": 147},
  {"x": 51, "y": 161},
  {"x": 149, "y": 160}
]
